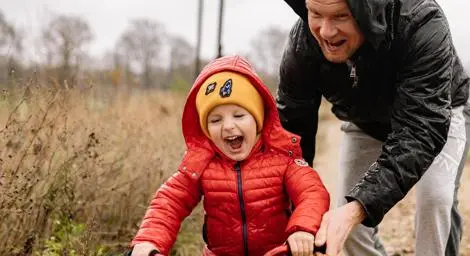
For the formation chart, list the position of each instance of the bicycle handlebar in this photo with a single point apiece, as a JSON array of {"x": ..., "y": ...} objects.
[{"x": 282, "y": 250}]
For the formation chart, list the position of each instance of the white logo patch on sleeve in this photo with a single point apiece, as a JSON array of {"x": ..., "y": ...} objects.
[{"x": 300, "y": 162}]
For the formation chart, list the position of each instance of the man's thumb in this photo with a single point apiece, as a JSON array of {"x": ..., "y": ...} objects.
[{"x": 320, "y": 237}]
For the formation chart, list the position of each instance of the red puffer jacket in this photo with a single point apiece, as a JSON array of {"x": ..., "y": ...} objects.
[{"x": 247, "y": 203}]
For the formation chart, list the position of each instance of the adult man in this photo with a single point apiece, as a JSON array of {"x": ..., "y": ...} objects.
[{"x": 390, "y": 70}]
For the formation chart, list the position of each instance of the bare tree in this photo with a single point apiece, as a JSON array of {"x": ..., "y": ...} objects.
[
  {"x": 65, "y": 38},
  {"x": 181, "y": 54},
  {"x": 266, "y": 49},
  {"x": 11, "y": 47},
  {"x": 142, "y": 42},
  {"x": 10, "y": 38},
  {"x": 122, "y": 59}
]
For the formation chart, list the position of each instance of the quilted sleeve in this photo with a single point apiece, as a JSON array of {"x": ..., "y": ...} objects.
[
  {"x": 173, "y": 202},
  {"x": 309, "y": 196}
]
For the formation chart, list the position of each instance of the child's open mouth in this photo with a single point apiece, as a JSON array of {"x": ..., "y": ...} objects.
[{"x": 235, "y": 142}]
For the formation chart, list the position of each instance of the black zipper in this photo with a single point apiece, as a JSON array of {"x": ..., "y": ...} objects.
[{"x": 242, "y": 207}]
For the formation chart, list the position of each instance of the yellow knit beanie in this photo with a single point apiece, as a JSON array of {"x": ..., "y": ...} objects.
[{"x": 228, "y": 88}]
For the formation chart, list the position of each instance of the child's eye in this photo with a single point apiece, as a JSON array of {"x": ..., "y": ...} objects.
[
  {"x": 239, "y": 115},
  {"x": 213, "y": 121}
]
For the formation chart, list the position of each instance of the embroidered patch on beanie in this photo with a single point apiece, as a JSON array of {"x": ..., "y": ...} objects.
[
  {"x": 226, "y": 89},
  {"x": 211, "y": 87},
  {"x": 234, "y": 89}
]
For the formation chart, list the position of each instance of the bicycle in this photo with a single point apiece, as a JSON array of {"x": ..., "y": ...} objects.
[{"x": 282, "y": 250}]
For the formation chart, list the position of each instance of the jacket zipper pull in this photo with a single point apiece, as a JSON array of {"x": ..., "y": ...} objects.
[{"x": 353, "y": 73}]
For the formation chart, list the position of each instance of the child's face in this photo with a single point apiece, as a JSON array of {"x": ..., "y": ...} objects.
[{"x": 233, "y": 130}]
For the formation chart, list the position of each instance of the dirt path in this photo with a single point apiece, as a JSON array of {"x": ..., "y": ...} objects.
[{"x": 397, "y": 229}]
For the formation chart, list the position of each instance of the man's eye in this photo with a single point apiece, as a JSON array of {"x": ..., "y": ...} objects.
[
  {"x": 342, "y": 16},
  {"x": 315, "y": 14}
]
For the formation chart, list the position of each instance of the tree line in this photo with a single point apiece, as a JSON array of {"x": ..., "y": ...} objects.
[{"x": 145, "y": 56}]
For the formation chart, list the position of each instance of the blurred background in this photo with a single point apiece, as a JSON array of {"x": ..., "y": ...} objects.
[
  {"x": 151, "y": 44},
  {"x": 90, "y": 108},
  {"x": 146, "y": 44}
]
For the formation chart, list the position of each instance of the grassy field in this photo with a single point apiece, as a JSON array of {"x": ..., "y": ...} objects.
[{"x": 78, "y": 168}]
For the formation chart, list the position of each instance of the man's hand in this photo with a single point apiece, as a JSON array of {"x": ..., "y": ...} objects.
[
  {"x": 143, "y": 249},
  {"x": 336, "y": 226},
  {"x": 301, "y": 243}
]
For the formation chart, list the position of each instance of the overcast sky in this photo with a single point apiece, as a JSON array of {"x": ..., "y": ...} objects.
[{"x": 243, "y": 19}]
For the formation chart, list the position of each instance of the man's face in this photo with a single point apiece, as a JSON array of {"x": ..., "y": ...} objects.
[{"x": 335, "y": 29}]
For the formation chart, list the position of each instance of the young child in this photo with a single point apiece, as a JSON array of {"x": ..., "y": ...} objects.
[{"x": 244, "y": 164}]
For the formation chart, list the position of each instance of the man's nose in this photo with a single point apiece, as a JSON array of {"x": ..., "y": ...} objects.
[{"x": 328, "y": 29}]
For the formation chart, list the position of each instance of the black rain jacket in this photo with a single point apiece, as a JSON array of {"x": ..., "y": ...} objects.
[{"x": 400, "y": 89}]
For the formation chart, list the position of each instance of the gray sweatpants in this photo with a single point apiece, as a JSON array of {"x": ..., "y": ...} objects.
[{"x": 437, "y": 222}]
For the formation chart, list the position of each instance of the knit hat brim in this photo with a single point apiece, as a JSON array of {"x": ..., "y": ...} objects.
[{"x": 228, "y": 88}]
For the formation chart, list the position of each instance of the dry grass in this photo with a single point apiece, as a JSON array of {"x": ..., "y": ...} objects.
[
  {"x": 71, "y": 158},
  {"x": 79, "y": 166}
]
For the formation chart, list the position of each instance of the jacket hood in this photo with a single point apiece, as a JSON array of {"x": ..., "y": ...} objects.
[
  {"x": 200, "y": 147},
  {"x": 374, "y": 17}
]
